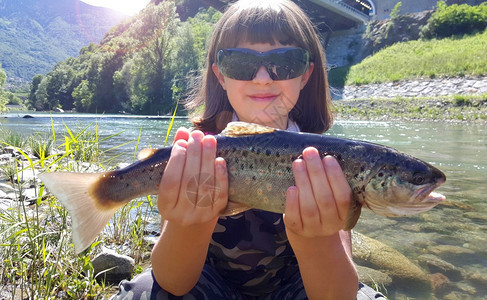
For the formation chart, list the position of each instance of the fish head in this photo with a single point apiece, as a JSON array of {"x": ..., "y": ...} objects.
[{"x": 403, "y": 187}]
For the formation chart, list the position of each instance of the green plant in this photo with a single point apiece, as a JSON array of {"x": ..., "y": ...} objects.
[
  {"x": 461, "y": 100},
  {"x": 40, "y": 147},
  {"x": 414, "y": 59},
  {"x": 455, "y": 20},
  {"x": 11, "y": 138},
  {"x": 395, "y": 10},
  {"x": 37, "y": 257}
]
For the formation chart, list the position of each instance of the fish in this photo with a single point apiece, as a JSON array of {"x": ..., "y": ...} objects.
[{"x": 259, "y": 163}]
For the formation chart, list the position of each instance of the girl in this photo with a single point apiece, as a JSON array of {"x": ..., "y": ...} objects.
[{"x": 265, "y": 65}]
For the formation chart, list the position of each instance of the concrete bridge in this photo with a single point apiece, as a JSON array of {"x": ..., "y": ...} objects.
[
  {"x": 356, "y": 11},
  {"x": 328, "y": 15},
  {"x": 335, "y": 15}
]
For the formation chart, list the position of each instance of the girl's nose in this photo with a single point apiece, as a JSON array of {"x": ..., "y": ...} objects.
[{"x": 262, "y": 76}]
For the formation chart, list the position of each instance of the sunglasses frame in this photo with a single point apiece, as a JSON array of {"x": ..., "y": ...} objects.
[{"x": 281, "y": 63}]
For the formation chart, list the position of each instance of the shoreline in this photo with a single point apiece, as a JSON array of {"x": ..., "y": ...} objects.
[{"x": 457, "y": 108}]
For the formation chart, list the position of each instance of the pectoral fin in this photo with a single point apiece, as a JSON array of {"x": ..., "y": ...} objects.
[
  {"x": 234, "y": 208},
  {"x": 353, "y": 213}
]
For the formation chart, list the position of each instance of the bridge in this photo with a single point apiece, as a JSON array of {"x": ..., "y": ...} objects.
[
  {"x": 356, "y": 11},
  {"x": 327, "y": 15}
]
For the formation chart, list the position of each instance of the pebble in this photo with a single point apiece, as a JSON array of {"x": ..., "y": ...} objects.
[
  {"x": 414, "y": 88},
  {"x": 373, "y": 277},
  {"x": 437, "y": 265},
  {"x": 439, "y": 282},
  {"x": 115, "y": 267}
]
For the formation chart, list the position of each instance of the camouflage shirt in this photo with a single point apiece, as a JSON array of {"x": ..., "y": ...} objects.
[{"x": 251, "y": 251}]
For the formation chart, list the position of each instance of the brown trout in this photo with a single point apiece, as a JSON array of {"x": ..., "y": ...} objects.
[{"x": 259, "y": 160}]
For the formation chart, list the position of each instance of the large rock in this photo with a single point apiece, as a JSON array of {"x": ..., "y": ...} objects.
[
  {"x": 116, "y": 266},
  {"x": 376, "y": 255},
  {"x": 372, "y": 277},
  {"x": 383, "y": 33},
  {"x": 436, "y": 265}
]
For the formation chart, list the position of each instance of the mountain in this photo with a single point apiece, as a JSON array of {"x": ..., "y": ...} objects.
[{"x": 37, "y": 34}]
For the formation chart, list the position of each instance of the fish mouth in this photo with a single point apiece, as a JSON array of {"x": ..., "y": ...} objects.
[{"x": 426, "y": 195}]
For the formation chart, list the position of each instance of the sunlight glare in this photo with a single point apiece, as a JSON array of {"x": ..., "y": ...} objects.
[{"x": 129, "y": 7}]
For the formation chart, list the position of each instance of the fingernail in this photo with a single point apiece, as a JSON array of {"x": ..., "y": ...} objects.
[
  {"x": 330, "y": 161},
  {"x": 292, "y": 190},
  {"x": 181, "y": 143},
  {"x": 221, "y": 165},
  {"x": 299, "y": 165}
]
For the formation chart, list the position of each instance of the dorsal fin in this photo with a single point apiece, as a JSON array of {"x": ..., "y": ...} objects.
[
  {"x": 235, "y": 129},
  {"x": 146, "y": 153}
]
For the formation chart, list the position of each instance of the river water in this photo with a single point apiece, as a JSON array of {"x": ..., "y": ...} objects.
[{"x": 455, "y": 232}]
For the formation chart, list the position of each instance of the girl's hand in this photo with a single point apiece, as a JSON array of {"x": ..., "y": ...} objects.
[
  {"x": 318, "y": 205},
  {"x": 194, "y": 187}
]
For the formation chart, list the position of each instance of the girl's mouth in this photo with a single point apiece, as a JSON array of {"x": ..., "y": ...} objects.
[{"x": 263, "y": 97}]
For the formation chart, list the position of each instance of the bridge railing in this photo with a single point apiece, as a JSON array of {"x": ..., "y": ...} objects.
[
  {"x": 343, "y": 8},
  {"x": 349, "y": 7}
]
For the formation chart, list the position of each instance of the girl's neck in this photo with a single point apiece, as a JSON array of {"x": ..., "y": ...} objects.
[{"x": 288, "y": 124}]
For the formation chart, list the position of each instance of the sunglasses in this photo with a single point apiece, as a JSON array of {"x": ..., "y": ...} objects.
[{"x": 281, "y": 63}]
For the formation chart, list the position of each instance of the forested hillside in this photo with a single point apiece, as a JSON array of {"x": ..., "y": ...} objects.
[
  {"x": 36, "y": 34},
  {"x": 141, "y": 66}
]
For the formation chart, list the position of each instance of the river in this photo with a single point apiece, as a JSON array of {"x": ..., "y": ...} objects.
[{"x": 455, "y": 232}]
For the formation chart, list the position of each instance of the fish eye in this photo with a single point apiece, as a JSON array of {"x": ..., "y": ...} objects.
[{"x": 418, "y": 178}]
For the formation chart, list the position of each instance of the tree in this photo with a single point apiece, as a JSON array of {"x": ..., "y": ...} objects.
[
  {"x": 83, "y": 96},
  {"x": 141, "y": 66},
  {"x": 456, "y": 19},
  {"x": 3, "y": 94},
  {"x": 33, "y": 89},
  {"x": 60, "y": 85},
  {"x": 154, "y": 66}
]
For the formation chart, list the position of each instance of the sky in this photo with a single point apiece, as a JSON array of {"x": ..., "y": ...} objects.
[{"x": 129, "y": 7}]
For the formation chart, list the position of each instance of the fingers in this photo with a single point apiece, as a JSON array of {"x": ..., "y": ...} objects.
[
  {"x": 182, "y": 134},
  {"x": 310, "y": 213},
  {"x": 191, "y": 178},
  {"x": 206, "y": 183},
  {"x": 220, "y": 193},
  {"x": 171, "y": 179},
  {"x": 318, "y": 205},
  {"x": 194, "y": 185},
  {"x": 339, "y": 185},
  {"x": 292, "y": 215}
]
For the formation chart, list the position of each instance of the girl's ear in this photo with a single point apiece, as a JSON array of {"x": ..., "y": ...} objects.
[
  {"x": 305, "y": 77},
  {"x": 218, "y": 75}
]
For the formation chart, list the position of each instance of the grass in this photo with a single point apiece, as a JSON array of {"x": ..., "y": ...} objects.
[
  {"x": 450, "y": 57},
  {"x": 446, "y": 108},
  {"x": 36, "y": 253}
]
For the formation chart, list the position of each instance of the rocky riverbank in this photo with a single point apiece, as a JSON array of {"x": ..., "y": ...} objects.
[
  {"x": 417, "y": 88},
  {"x": 446, "y": 99}
]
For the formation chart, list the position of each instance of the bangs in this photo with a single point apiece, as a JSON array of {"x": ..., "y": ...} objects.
[{"x": 265, "y": 22}]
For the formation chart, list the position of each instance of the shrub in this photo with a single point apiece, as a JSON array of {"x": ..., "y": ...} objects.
[{"x": 456, "y": 19}]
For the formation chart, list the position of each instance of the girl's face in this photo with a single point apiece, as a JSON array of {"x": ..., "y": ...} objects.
[{"x": 263, "y": 100}]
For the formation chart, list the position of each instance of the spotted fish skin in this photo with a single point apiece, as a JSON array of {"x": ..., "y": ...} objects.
[
  {"x": 260, "y": 170},
  {"x": 259, "y": 162}
]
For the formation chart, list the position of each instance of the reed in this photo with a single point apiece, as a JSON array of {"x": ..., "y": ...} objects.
[{"x": 37, "y": 256}]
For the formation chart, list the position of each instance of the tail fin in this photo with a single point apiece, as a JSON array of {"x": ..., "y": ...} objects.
[{"x": 72, "y": 190}]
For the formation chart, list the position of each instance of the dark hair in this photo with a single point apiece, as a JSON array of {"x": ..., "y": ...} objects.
[{"x": 264, "y": 22}]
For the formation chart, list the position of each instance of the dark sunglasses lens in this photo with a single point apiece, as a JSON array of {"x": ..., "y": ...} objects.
[
  {"x": 289, "y": 64},
  {"x": 237, "y": 65},
  {"x": 281, "y": 64}
]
